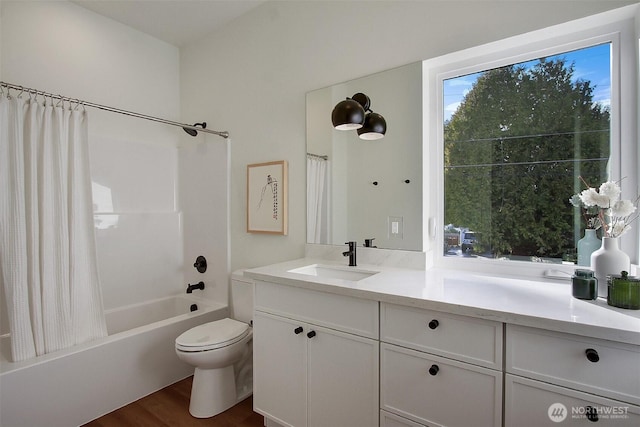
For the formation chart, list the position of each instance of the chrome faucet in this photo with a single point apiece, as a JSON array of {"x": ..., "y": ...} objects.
[
  {"x": 191, "y": 288},
  {"x": 351, "y": 253}
]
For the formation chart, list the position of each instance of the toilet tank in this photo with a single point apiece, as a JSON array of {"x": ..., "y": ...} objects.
[{"x": 241, "y": 297}]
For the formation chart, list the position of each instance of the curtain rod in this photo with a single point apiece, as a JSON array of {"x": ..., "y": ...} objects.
[
  {"x": 318, "y": 156},
  {"x": 222, "y": 134}
]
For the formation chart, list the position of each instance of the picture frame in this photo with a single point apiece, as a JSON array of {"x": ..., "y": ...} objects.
[{"x": 267, "y": 188}]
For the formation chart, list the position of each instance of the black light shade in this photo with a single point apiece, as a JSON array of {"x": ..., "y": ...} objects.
[
  {"x": 375, "y": 126},
  {"x": 347, "y": 115}
]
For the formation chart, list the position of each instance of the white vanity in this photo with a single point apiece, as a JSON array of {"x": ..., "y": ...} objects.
[{"x": 406, "y": 347}]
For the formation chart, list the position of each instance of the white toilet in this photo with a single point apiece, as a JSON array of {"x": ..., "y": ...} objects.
[{"x": 221, "y": 352}]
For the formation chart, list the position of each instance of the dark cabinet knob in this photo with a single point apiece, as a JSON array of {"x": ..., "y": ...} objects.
[
  {"x": 592, "y": 355},
  {"x": 311, "y": 334},
  {"x": 433, "y": 324},
  {"x": 433, "y": 370},
  {"x": 298, "y": 330},
  {"x": 591, "y": 413}
]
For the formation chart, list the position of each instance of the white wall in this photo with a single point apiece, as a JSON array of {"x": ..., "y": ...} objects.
[
  {"x": 64, "y": 49},
  {"x": 251, "y": 77}
]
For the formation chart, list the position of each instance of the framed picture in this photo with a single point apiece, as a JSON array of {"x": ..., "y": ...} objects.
[{"x": 267, "y": 197}]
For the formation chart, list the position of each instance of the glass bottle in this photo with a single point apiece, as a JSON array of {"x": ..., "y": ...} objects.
[{"x": 586, "y": 246}]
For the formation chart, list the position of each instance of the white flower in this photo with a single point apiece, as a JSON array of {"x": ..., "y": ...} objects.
[
  {"x": 618, "y": 229},
  {"x": 590, "y": 197},
  {"x": 622, "y": 208},
  {"x": 603, "y": 207},
  {"x": 611, "y": 190},
  {"x": 575, "y": 201}
]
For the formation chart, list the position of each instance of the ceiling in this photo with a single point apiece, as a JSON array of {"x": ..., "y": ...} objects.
[{"x": 177, "y": 22}]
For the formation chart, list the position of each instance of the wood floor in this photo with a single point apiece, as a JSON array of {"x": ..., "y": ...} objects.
[{"x": 169, "y": 407}]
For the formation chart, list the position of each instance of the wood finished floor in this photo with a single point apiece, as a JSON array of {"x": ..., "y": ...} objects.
[{"x": 169, "y": 407}]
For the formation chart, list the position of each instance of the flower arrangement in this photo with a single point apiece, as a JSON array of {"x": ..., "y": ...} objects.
[{"x": 603, "y": 209}]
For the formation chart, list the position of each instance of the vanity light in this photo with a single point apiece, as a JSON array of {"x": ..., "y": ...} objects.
[
  {"x": 375, "y": 126},
  {"x": 354, "y": 113}
]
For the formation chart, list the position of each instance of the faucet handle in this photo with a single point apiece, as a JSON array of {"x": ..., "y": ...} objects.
[{"x": 200, "y": 264}]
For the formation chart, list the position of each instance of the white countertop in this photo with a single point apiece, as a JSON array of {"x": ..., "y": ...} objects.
[{"x": 546, "y": 305}]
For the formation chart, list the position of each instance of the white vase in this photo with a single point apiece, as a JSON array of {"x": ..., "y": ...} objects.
[
  {"x": 609, "y": 259},
  {"x": 586, "y": 246}
]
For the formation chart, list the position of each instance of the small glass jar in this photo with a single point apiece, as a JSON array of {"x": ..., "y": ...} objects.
[
  {"x": 584, "y": 285},
  {"x": 623, "y": 291}
]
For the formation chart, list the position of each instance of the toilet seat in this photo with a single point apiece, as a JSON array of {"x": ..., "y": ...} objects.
[{"x": 212, "y": 335}]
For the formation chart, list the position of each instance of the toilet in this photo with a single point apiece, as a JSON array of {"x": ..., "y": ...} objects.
[{"x": 221, "y": 352}]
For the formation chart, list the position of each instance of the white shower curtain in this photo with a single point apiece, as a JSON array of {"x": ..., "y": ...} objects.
[
  {"x": 317, "y": 200},
  {"x": 47, "y": 244}
]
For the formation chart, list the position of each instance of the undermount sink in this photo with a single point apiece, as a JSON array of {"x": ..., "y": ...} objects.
[{"x": 334, "y": 272}]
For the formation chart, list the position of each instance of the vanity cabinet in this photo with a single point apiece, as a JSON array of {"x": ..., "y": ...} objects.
[
  {"x": 439, "y": 368},
  {"x": 325, "y": 359},
  {"x": 551, "y": 375},
  {"x": 316, "y": 358}
]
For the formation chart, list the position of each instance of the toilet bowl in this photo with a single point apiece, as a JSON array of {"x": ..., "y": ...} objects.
[{"x": 221, "y": 353}]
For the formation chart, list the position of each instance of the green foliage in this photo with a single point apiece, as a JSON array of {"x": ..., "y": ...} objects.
[{"x": 509, "y": 157}]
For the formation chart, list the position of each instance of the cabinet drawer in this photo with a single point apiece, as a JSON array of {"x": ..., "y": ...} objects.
[
  {"x": 354, "y": 315},
  {"x": 562, "y": 359},
  {"x": 537, "y": 404},
  {"x": 388, "y": 419},
  {"x": 476, "y": 341},
  {"x": 409, "y": 387}
]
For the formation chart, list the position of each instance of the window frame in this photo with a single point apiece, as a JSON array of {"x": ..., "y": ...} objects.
[{"x": 617, "y": 27}]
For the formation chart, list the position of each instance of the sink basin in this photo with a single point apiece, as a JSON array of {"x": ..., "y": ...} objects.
[{"x": 333, "y": 272}]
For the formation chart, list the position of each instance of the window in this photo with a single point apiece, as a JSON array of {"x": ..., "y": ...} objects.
[
  {"x": 513, "y": 128},
  {"x": 519, "y": 140}
]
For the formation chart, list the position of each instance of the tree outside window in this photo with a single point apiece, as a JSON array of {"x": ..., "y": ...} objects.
[{"x": 514, "y": 151}]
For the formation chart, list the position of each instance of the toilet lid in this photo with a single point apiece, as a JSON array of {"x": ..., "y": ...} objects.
[{"x": 212, "y": 335}]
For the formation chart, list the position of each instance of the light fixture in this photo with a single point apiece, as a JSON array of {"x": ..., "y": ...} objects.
[
  {"x": 375, "y": 126},
  {"x": 354, "y": 114}
]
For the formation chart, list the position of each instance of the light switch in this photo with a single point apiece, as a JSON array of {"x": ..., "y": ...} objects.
[{"x": 395, "y": 227}]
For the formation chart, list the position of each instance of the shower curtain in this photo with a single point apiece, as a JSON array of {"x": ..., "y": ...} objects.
[
  {"x": 48, "y": 263},
  {"x": 317, "y": 200}
]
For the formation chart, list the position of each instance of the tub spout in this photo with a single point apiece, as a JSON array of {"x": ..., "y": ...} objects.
[{"x": 191, "y": 288}]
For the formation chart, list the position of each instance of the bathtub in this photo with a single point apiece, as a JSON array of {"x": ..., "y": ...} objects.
[{"x": 74, "y": 386}]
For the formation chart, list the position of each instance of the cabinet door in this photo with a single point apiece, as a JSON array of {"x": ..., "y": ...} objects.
[
  {"x": 342, "y": 379},
  {"x": 279, "y": 357},
  {"x": 531, "y": 403}
]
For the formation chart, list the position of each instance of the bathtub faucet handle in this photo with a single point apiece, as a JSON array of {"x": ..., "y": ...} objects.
[
  {"x": 200, "y": 264},
  {"x": 191, "y": 288}
]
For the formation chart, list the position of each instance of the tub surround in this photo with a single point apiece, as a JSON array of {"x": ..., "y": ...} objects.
[{"x": 547, "y": 305}]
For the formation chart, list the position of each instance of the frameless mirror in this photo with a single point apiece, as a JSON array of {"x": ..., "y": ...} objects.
[{"x": 357, "y": 189}]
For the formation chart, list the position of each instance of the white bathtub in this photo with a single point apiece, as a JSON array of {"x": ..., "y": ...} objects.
[{"x": 74, "y": 386}]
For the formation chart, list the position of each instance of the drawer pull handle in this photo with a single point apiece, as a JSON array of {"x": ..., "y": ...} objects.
[
  {"x": 311, "y": 334},
  {"x": 298, "y": 330},
  {"x": 591, "y": 413},
  {"x": 433, "y": 324},
  {"x": 433, "y": 370},
  {"x": 592, "y": 355}
]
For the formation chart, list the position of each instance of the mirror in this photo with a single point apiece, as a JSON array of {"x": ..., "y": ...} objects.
[{"x": 367, "y": 189}]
